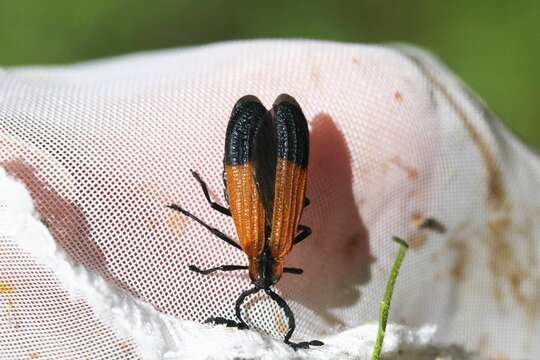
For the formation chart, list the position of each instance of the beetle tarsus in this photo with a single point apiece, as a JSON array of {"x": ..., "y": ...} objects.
[
  {"x": 304, "y": 344},
  {"x": 226, "y": 322},
  {"x": 303, "y": 232}
]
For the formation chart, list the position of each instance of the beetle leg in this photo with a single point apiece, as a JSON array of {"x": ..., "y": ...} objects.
[
  {"x": 292, "y": 270},
  {"x": 213, "y": 230},
  {"x": 218, "y": 268},
  {"x": 292, "y": 325},
  {"x": 306, "y": 202},
  {"x": 213, "y": 204},
  {"x": 304, "y": 232}
]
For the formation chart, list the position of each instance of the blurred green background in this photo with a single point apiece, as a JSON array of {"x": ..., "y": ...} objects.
[{"x": 493, "y": 45}]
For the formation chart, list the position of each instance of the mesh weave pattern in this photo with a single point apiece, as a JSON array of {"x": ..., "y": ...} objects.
[{"x": 103, "y": 147}]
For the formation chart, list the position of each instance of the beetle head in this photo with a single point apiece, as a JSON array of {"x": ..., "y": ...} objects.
[{"x": 264, "y": 270}]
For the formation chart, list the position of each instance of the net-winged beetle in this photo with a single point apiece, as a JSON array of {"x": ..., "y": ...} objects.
[{"x": 265, "y": 173}]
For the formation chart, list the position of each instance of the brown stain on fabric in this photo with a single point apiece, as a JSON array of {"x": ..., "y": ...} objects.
[
  {"x": 417, "y": 219},
  {"x": 506, "y": 269},
  {"x": 281, "y": 324},
  {"x": 417, "y": 241},
  {"x": 461, "y": 258},
  {"x": 11, "y": 311},
  {"x": 526, "y": 230},
  {"x": 127, "y": 347},
  {"x": 504, "y": 265},
  {"x": 385, "y": 165},
  {"x": 5, "y": 288},
  {"x": 412, "y": 172},
  {"x": 482, "y": 343},
  {"x": 10, "y": 308},
  {"x": 530, "y": 302},
  {"x": 177, "y": 223},
  {"x": 499, "y": 357}
]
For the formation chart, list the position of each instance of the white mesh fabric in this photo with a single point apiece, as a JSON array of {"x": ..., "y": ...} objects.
[{"x": 102, "y": 147}]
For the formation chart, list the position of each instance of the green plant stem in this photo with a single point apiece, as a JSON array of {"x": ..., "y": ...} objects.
[{"x": 385, "y": 304}]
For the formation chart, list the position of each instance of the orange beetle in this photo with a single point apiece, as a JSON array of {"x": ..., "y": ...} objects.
[{"x": 265, "y": 172}]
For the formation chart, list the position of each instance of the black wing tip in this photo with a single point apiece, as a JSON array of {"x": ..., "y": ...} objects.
[
  {"x": 280, "y": 100},
  {"x": 246, "y": 99},
  {"x": 285, "y": 103},
  {"x": 287, "y": 112},
  {"x": 285, "y": 98},
  {"x": 245, "y": 118}
]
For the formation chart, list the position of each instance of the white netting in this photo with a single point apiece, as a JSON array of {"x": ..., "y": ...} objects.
[{"x": 102, "y": 147}]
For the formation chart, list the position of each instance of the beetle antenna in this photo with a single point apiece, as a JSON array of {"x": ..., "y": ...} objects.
[{"x": 240, "y": 300}]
